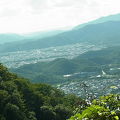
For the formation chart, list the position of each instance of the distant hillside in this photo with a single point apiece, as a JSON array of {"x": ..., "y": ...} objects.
[
  {"x": 92, "y": 61},
  {"x": 115, "y": 17},
  {"x": 39, "y": 35},
  {"x": 12, "y": 37},
  {"x": 7, "y": 38},
  {"x": 99, "y": 34},
  {"x": 23, "y": 38},
  {"x": 105, "y": 56}
]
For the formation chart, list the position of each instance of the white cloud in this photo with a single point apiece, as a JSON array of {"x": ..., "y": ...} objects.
[{"x": 35, "y": 15}]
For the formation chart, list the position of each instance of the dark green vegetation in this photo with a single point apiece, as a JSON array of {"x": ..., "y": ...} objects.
[
  {"x": 48, "y": 72},
  {"x": 104, "y": 31},
  {"x": 22, "y": 100},
  {"x": 52, "y": 72}
]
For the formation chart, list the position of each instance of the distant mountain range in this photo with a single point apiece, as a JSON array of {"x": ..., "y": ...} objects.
[
  {"x": 7, "y": 38},
  {"x": 103, "y": 31},
  {"x": 12, "y": 37},
  {"x": 115, "y": 17}
]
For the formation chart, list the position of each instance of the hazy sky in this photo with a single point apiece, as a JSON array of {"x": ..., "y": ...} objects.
[{"x": 22, "y": 16}]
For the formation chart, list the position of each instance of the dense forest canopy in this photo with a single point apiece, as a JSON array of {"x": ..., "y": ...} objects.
[{"x": 22, "y": 100}]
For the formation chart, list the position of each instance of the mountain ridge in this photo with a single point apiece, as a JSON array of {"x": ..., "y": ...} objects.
[{"x": 102, "y": 33}]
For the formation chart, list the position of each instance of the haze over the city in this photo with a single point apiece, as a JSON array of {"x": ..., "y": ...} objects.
[{"x": 23, "y": 16}]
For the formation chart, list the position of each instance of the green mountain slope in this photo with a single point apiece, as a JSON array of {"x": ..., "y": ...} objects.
[
  {"x": 22, "y": 100},
  {"x": 91, "y": 61}
]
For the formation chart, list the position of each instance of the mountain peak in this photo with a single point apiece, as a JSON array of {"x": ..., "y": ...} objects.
[{"x": 115, "y": 17}]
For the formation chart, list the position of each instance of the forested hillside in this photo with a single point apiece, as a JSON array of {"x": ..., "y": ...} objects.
[
  {"x": 98, "y": 70},
  {"x": 22, "y": 100},
  {"x": 53, "y": 72}
]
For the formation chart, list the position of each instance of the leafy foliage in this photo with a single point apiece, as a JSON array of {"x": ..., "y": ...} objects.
[{"x": 104, "y": 108}]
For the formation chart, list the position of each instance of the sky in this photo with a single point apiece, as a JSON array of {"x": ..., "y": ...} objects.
[{"x": 24, "y": 16}]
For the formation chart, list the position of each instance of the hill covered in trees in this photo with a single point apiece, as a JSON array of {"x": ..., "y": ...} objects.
[
  {"x": 53, "y": 72},
  {"x": 22, "y": 100},
  {"x": 98, "y": 70}
]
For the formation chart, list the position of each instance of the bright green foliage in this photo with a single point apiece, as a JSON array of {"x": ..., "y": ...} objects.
[
  {"x": 93, "y": 112},
  {"x": 111, "y": 101},
  {"x": 104, "y": 108}
]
